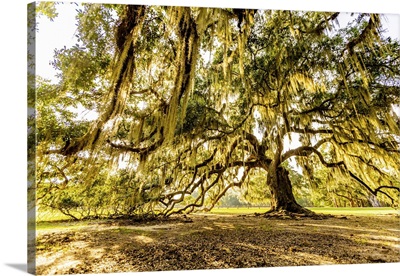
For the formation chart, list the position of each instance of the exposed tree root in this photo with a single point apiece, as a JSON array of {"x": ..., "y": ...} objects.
[
  {"x": 298, "y": 213},
  {"x": 147, "y": 219}
]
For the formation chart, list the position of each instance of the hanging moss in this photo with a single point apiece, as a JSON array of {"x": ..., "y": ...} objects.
[{"x": 278, "y": 72}]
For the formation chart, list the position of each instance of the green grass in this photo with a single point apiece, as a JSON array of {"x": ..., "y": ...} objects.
[
  {"x": 56, "y": 220},
  {"x": 51, "y": 216},
  {"x": 239, "y": 210},
  {"x": 356, "y": 211}
]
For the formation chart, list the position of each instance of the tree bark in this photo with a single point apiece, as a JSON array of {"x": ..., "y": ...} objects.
[{"x": 282, "y": 198}]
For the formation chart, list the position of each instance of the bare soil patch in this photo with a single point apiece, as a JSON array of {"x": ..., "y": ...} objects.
[{"x": 216, "y": 241}]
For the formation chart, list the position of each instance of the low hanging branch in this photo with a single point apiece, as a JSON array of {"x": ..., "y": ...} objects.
[
  {"x": 234, "y": 184},
  {"x": 217, "y": 170},
  {"x": 307, "y": 150},
  {"x": 374, "y": 191}
]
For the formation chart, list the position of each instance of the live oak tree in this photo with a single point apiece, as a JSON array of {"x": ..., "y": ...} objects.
[{"x": 192, "y": 102}]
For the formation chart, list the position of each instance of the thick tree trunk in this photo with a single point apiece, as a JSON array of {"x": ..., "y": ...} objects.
[{"x": 282, "y": 198}]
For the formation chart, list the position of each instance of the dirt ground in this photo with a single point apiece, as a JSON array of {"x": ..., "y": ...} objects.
[{"x": 216, "y": 241}]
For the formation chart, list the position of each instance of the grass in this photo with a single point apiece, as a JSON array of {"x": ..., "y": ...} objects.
[
  {"x": 52, "y": 220},
  {"x": 51, "y": 216},
  {"x": 356, "y": 211}
]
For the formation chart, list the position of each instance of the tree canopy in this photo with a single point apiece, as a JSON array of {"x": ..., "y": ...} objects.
[{"x": 194, "y": 102}]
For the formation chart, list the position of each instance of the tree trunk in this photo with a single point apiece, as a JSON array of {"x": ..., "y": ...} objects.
[{"x": 282, "y": 198}]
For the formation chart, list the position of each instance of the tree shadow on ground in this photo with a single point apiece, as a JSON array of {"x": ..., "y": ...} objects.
[{"x": 215, "y": 243}]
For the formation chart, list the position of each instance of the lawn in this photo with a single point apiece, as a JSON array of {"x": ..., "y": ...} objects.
[
  {"x": 356, "y": 211},
  {"x": 49, "y": 216}
]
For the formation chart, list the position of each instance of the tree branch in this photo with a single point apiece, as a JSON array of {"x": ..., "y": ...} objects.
[
  {"x": 311, "y": 131},
  {"x": 144, "y": 150},
  {"x": 307, "y": 150}
]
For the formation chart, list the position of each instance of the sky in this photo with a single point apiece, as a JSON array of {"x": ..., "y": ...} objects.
[
  {"x": 13, "y": 135},
  {"x": 55, "y": 34}
]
